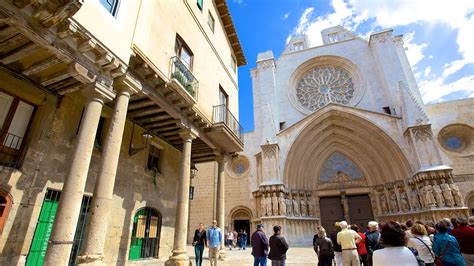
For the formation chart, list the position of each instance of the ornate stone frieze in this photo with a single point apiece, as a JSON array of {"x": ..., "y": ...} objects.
[
  {"x": 264, "y": 65},
  {"x": 422, "y": 133}
]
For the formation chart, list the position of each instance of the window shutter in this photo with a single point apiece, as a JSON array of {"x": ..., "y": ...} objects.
[
  {"x": 200, "y": 3},
  {"x": 153, "y": 227},
  {"x": 141, "y": 226}
]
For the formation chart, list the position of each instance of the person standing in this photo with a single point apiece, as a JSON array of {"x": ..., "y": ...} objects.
[
  {"x": 214, "y": 239},
  {"x": 361, "y": 250},
  {"x": 259, "y": 243},
  {"x": 372, "y": 240},
  {"x": 394, "y": 252},
  {"x": 465, "y": 237},
  {"x": 230, "y": 239},
  {"x": 199, "y": 241},
  {"x": 324, "y": 248},
  {"x": 337, "y": 247},
  {"x": 420, "y": 241},
  {"x": 446, "y": 246},
  {"x": 348, "y": 240},
  {"x": 278, "y": 247}
]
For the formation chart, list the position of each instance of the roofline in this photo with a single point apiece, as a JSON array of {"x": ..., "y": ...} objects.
[{"x": 231, "y": 32}]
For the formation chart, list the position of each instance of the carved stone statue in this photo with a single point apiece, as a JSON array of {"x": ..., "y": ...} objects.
[
  {"x": 345, "y": 206},
  {"x": 429, "y": 198},
  {"x": 310, "y": 208},
  {"x": 448, "y": 196},
  {"x": 438, "y": 195},
  {"x": 289, "y": 209},
  {"x": 415, "y": 199},
  {"x": 404, "y": 201},
  {"x": 296, "y": 207},
  {"x": 282, "y": 203},
  {"x": 383, "y": 203},
  {"x": 275, "y": 204},
  {"x": 456, "y": 195},
  {"x": 393, "y": 202},
  {"x": 268, "y": 205},
  {"x": 304, "y": 210},
  {"x": 263, "y": 209}
]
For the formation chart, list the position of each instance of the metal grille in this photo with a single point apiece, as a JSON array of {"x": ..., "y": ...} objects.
[
  {"x": 10, "y": 149},
  {"x": 222, "y": 114},
  {"x": 145, "y": 242},
  {"x": 80, "y": 229}
]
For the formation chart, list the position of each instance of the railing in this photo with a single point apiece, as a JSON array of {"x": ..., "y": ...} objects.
[
  {"x": 10, "y": 149},
  {"x": 184, "y": 76},
  {"x": 222, "y": 114}
]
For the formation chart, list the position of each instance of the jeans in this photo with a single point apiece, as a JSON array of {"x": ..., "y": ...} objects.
[
  {"x": 262, "y": 261},
  {"x": 278, "y": 262},
  {"x": 243, "y": 242},
  {"x": 198, "y": 250},
  {"x": 229, "y": 243}
]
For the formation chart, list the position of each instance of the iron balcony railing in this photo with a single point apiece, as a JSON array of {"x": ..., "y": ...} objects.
[
  {"x": 222, "y": 114},
  {"x": 184, "y": 76},
  {"x": 10, "y": 149}
]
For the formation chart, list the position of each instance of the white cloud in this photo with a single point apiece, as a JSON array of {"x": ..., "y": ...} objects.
[
  {"x": 239, "y": 1},
  {"x": 414, "y": 51},
  {"x": 453, "y": 67},
  {"x": 286, "y": 15},
  {"x": 433, "y": 90},
  {"x": 427, "y": 71}
]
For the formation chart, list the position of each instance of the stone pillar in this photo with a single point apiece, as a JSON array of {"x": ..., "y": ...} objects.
[
  {"x": 220, "y": 202},
  {"x": 99, "y": 214},
  {"x": 65, "y": 223},
  {"x": 179, "y": 256}
]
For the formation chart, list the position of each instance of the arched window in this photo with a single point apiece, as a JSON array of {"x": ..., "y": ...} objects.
[
  {"x": 145, "y": 241},
  {"x": 5, "y": 205}
]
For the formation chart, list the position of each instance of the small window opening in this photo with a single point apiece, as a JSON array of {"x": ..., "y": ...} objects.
[
  {"x": 282, "y": 125},
  {"x": 387, "y": 110},
  {"x": 154, "y": 158}
]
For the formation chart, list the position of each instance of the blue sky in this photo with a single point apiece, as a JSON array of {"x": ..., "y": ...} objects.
[{"x": 438, "y": 36}]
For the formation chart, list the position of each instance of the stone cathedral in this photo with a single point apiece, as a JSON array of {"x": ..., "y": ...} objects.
[{"x": 341, "y": 133}]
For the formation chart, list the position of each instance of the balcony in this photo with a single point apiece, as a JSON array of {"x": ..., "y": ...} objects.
[
  {"x": 183, "y": 79},
  {"x": 226, "y": 130},
  {"x": 10, "y": 150}
]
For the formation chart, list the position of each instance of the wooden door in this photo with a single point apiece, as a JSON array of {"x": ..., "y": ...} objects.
[
  {"x": 360, "y": 210},
  {"x": 331, "y": 212}
]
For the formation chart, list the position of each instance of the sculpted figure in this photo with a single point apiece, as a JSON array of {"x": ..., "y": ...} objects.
[
  {"x": 304, "y": 211},
  {"x": 263, "y": 209},
  {"x": 310, "y": 209},
  {"x": 288, "y": 207},
  {"x": 428, "y": 194},
  {"x": 282, "y": 204},
  {"x": 383, "y": 202},
  {"x": 393, "y": 202},
  {"x": 296, "y": 207},
  {"x": 438, "y": 195},
  {"x": 275, "y": 204},
  {"x": 268, "y": 205},
  {"x": 448, "y": 196},
  {"x": 456, "y": 195},
  {"x": 415, "y": 199},
  {"x": 404, "y": 201}
]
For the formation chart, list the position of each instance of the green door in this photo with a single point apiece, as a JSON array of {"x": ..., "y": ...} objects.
[{"x": 136, "y": 242}]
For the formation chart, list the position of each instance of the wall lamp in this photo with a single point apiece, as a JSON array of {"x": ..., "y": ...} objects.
[{"x": 146, "y": 136}]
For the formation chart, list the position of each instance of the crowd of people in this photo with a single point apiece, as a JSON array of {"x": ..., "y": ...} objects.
[{"x": 449, "y": 242}]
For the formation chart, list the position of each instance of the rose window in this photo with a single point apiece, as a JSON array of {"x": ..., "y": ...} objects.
[{"x": 323, "y": 85}]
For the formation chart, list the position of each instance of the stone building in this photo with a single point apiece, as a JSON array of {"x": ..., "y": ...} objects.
[
  {"x": 105, "y": 109},
  {"x": 341, "y": 133}
]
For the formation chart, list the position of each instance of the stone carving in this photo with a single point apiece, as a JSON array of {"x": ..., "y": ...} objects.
[
  {"x": 268, "y": 205},
  {"x": 428, "y": 200},
  {"x": 310, "y": 208},
  {"x": 269, "y": 150},
  {"x": 266, "y": 64},
  {"x": 288, "y": 203},
  {"x": 338, "y": 168},
  {"x": 322, "y": 85},
  {"x": 345, "y": 206},
  {"x": 304, "y": 211},
  {"x": 275, "y": 203},
  {"x": 404, "y": 201},
  {"x": 438, "y": 195},
  {"x": 456, "y": 195},
  {"x": 393, "y": 202},
  {"x": 263, "y": 209},
  {"x": 383, "y": 203},
  {"x": 422, "y": 133},
  {"x": 296, "y": 207},
  {"x": 282, "y": 204},
  {"x": 380, "y": 38},
  {"x": 415, "y": 199},
  {"x": 447, "y": 194}
]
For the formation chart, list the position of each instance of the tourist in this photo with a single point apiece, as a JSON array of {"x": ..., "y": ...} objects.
[
  {"x": 465, "y": 237},
  {"x": 337, "y": 247},
  {"x": 394, "y": 252},
  {"x": 408, "y": 224},
  {"x": 214, "y": 239},
  {"x": 361, "y": 249},
  {"x": 324, "y": 248},
  {"x": 278, "y": 247},
  {"x": 235, "y": 238},
  {"x": 445, "y": 246},
  {"x": 230, "y": 239},
  {"x": 242, "y": 239},
  {"x": 420, "y": 241},
  {"x": 348, "y": 240},
  {"x": 471, "y": 221},
  {"x": 372, "y": 240},
  {"x": 259, "y": 243},
  {"x": 199, "y": 241}
]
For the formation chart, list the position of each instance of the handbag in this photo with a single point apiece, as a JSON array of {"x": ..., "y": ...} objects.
[
  {"x": 420, "y": 261},
  {"x": 439, "y": 259}
]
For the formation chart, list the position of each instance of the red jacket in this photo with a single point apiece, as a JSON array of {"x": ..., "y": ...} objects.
[
  {"x": 465, "y": 237},
  {"x": 361, "y": 245}
]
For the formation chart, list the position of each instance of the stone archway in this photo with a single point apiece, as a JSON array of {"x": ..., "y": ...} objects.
[
  {"x": 241, "y": 218},
  {"x": 470, "y": 202}
]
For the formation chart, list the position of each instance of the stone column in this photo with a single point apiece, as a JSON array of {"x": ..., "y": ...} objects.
[
  {"x": 65, "y": 223},
  {"x": 220, "y": 202},
  {"x": 99, "y": 214},
  {"x": 179, "y": 256}
]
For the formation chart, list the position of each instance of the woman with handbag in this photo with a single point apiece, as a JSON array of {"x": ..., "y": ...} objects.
[
  {"x": 422, "y": 244},
  {"x": 199, "y": 241},
  {"x": 446, "y": 247}
]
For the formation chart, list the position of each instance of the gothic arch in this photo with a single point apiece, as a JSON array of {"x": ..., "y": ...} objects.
[
  {"x": 240, "y": 211},
  {"x": 335, "y": 128}
]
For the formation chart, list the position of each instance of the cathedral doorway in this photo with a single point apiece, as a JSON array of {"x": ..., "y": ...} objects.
[{"x": 240, "y": 219}]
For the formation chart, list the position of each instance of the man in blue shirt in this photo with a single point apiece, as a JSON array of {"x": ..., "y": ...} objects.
[{"x": 214, "y": 239}]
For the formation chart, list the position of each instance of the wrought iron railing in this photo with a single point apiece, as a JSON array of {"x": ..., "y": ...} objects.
[
  {"x": 222, "y": 114},
  {"x": 184, "y": 76},
  {"x": 10, "y": 149}
]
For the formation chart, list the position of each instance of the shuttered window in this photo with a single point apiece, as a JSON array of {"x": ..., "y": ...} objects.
[{"x": 145, "y": 240}]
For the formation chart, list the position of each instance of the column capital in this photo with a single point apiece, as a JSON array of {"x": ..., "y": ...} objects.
[
  {"x": 128, "y": 83},
  {"x": 221, "y": 158},
  {"x": 99, "y": 91},
  {"x": 188, "y": 134}
]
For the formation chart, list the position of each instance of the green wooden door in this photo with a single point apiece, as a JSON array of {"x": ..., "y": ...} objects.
[{"x": 136, "y": 242}]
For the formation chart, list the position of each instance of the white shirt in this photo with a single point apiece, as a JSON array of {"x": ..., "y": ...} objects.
[
  {"x": 230, "y": 236},
  {"x": 423, "y": 251},
  {"x": 394, "y": 256}
]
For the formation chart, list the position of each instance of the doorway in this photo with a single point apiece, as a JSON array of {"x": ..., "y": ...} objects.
[
  {"x": 331, "y": 212},
  {"x": 243, "y": 225}
]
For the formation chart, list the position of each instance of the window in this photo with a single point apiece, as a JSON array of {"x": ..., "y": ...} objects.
[
  {"x": 333, "y": 37},
  {"x": 386, "y": 110},
  {"x": 191, "y": 193},
  {"x": 233, "y": 64},
  {"x": 15, "y": 117},
  {"x": 210, "y": 21},
  {"x": 183, "y": 52},
  {"x": 98, "y": 135},
  {"x": 200, "y": 4},
  {"x": 145, "y": 242},
  {"x": 110, "y": 5},
  {"x": 298, "y": 46},
  {"x": 5, "y": 205},
  {"x": 154, "y": 156}
]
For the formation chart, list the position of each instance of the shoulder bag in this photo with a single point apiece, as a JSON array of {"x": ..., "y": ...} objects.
[{"x": 439, "y": 259}]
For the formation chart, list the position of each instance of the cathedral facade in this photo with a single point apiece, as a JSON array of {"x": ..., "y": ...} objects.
[{"x": 341, "y": 133}]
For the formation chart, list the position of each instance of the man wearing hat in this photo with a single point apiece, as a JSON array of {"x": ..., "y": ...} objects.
[{"x": 259, "y": 246}]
